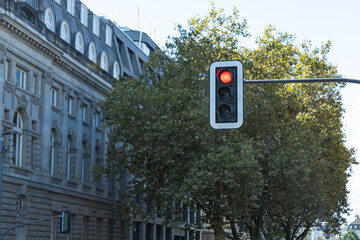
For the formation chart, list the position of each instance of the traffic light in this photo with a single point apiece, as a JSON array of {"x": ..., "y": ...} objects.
[
  {"x": 65, "y": 222},
  {"x": 226, "y": 94}
]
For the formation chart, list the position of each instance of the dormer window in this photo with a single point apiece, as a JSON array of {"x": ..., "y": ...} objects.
[
  {"x": 49, "y": 20},
  {"x": 84, "y": 15},
  {"x": 104, "y": 63},
  {"x": 116, "y": 71},
  {"x": 96, "y": 26},
  {"x": 79, "y": 43},
  {"x": 65, "y": 32},
  {"x": 71, "y": 7},
  {"x": 108, "y": 35},
  {"x": 92, "y": 52}
]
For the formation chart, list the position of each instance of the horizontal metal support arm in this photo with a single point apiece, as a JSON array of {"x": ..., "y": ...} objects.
[{"x": 305, "y": 80}]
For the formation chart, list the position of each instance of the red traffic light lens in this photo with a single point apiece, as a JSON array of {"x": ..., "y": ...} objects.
[{"x": 224, "y": 76}]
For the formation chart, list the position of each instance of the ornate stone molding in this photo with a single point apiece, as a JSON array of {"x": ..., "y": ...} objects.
[
  {"x": 22, "y": 101},
  {"x": 47, "y": 77},
  {"x": 2, "y": 53}
]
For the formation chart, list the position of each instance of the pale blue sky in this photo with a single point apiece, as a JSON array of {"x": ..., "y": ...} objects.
[{"x": 315, "y": 20}]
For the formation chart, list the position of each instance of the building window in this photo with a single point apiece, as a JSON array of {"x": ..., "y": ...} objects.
[
  {"x": 92, "y": 52},
  {"x": 35, "y": 85},
  {"x": 65, "y": 32},
  {"x": 54, "y": 96},
  {"x": 96, "y": 24},
  {"x": 52, "y": 153},
  {"x": 21, "y": 78},
  {"x": 104, "y": 62},
  {"x": 116, "y": 71},
  {"x": 108, "y": 35},
  {"x": 84, "y": 15},
  {"x": 18, "y": 139},
  {"x": 70, "y": 103},
  {"x": 68, "y": 157},
  {"x": 85, "y": 113},
  {"x": 97, "y": 120},
  {"x": 49, "y": 20},
  {"x": 79, "y": 43},
  {"x": 8, "y": 69},
  {"x": 71, "y": 7}
]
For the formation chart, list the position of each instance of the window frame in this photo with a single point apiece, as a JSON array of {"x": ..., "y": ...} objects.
[
  {"x": 96, "y": 25},
  {"x": 18, "y": 139},
  {"x": 104, "y": 62},
  {"x": 116, "y": 70},
  {"x": 49, "y": 24},
  {"x": 84, "y": 15},
  {"x": 52, "y": 153},
  {"x": 65, "y": 31},
  {"x": 92, "y": 52},
  {"x": 79, "y": 42},
  {"x": 21, "y": 79},
  {"x": 108, "y": 35},
  {"x": 70, "y": 7}
]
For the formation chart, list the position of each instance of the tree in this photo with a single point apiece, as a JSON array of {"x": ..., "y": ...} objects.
[
  {"x": 351, "y": 235},
  {"x": 284, "y": 171}
]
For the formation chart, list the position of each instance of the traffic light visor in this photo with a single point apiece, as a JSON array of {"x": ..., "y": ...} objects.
[{"x": 224, "y": 76}]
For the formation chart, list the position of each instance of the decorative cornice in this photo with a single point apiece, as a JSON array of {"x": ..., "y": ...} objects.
[{"x": 57, "y": 59}]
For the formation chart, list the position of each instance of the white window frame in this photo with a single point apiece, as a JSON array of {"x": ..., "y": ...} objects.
[
  {"x": 52, "y": 153},
  {"x": 70, "y": 105},
  {"x": 116, "y": 70},
  {"x": 84, "y": 15},
  {"x": 68, "y": 158},
  {"x": 104, "y": 62},
  {"x": 49, "y": 20},
  {"x": 79, "y": 42},
  {"x": 18, "y": 139},
  {"x": 65, "y": 31},
  {"x": 70, "y": 6},
  {"x": 96, "y": 25},
  {"x": 84, "y": 113},
  {"x": 92, "y": 52},
  {"x": 54, "y": 96},
  {"x": 97, "y": 119},
  {"x": 108, "y": 35},
  {"x": 21, "y": 78}
]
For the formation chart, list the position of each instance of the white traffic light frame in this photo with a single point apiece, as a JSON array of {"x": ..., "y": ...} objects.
[{"x": 240, "y": 94}]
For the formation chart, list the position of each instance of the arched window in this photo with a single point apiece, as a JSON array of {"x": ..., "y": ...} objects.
[
  {"x": 79, "y": 43},
  {"x": 18, "y": 139},
  {"x": 104, "y": 62},
  {"x": 116, "y": 71},
  {"x": 49, "y": 20},
  {"x": 68, "y": 157},
  {"x": 52, "y": 153},
  {"x": 65, "y": 32},
  {"x": 92, "y": 52}
]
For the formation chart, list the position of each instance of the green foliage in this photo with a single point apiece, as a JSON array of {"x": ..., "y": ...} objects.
[
  {"x": 283, "y": 172},
  {"x": 351, "y": 235}
]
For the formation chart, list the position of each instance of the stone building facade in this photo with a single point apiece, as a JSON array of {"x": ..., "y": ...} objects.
[{"x": 57, "y": 60}]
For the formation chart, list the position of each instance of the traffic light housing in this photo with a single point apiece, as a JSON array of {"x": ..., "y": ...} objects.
[
  {"x": 65, "y": 222},
  {"x": 226, "y": 94}
]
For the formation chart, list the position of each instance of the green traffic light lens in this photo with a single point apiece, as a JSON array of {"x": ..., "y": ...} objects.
[{"x": 225, "y": 111}]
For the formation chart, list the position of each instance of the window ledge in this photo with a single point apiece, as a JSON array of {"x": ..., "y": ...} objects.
[{"x": 56, "y": 109}]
